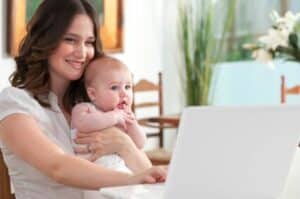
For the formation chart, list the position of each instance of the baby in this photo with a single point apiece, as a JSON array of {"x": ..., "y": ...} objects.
[{"x": 108, "y": 84}]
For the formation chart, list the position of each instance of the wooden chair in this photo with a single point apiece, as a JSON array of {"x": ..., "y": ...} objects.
[
  {"x": 5, "y": 190},
  {"x": 294, "y": 90},
  {"x": 284, "y": 91},
  {"x": 158, "y": 122}
]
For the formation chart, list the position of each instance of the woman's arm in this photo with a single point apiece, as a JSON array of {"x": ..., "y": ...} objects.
[
  {"x": 113, "y": 140},
  {"x": 53, "y": 162}
]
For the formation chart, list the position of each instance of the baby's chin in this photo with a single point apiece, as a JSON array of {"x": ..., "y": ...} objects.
[{"x": 106, "y": 109}]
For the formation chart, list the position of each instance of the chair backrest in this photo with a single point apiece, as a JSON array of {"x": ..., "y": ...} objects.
[
  {"x": 5, "y": 190},
  {"x": 146, "y": 86},
  {"x": 294, "y": 90}
]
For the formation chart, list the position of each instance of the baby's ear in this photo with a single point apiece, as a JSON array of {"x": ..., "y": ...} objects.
[{"x": 91, "y": 93}]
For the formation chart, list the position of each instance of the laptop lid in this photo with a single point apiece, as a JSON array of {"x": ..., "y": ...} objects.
[{"x": 233, "y": 152}]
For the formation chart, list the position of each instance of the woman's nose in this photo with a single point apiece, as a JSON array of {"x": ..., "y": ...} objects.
[{"x": 80, "y": 51}]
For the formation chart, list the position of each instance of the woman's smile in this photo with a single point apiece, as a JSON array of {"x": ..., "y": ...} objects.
[{"x": 76, "y": 64}]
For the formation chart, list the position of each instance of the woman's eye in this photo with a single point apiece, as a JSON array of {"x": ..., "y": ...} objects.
[
  {"x": 90, "y": 43},
  {"x": 69, "y": 40}
]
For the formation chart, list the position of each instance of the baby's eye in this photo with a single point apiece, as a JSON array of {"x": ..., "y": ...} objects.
[
  {"x": 114, "y": 88},
  {"x": 127, "y": 87}
]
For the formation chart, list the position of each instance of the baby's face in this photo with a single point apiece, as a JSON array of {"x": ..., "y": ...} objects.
[{"x": 113, "y": 89}]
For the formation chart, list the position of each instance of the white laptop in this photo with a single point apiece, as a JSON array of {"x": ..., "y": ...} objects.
[
  {"x": 233, "y": 152},
  {"x": 227, "y": 153}
]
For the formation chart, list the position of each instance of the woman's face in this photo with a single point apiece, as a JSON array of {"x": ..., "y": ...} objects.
[{"x": 74, "y": 51}]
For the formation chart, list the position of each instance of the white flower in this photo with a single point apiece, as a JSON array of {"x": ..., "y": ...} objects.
[
  {"x": 290, "y": 18},
  {"x": 286, "y": 23},
  {"x": 262, "y": 55},
  {"x": 274, "y": 39},
  {"x": 274, "y": 15},
  {"x": 278, "y": 36}
]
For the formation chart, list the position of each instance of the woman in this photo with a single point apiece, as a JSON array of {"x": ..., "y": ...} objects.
[{"x": 34, "y": 118}]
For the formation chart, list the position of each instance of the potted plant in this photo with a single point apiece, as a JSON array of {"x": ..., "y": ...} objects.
[
  {"x": 281, "y": 41},
  {"x": 201, "y": 46}
]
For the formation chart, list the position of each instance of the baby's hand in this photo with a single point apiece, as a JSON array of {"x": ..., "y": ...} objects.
[
  {"x": 123, "y": 118},
  {"x": 133, "y": 120}
]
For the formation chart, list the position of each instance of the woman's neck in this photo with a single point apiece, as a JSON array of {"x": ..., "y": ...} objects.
[
  {"x": 59, "y": 90},
  {"x": 59, "y": 87},
  {"x": 59, "y": 94}
]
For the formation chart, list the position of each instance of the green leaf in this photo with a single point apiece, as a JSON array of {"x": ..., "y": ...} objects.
[{"x": 293, "y": 40}]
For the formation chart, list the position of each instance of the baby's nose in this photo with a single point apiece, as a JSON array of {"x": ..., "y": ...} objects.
[{"x": 122, "y": 93}]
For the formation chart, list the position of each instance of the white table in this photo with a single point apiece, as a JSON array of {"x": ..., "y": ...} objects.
[{"x": 261, "y": 82}]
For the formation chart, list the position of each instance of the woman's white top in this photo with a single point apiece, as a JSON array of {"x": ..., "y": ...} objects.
[{"x": 28, "y": 182}]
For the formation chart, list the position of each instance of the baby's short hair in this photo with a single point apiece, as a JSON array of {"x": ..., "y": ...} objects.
[{"x": 101, "y": 63}]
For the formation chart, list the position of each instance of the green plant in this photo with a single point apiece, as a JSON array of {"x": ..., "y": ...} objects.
[
  {"x": 238, "y": 52},
  {"x": 201, "y": 47}
]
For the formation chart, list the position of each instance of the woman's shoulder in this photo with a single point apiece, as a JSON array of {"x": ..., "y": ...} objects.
[
  {"x": 16, "y": 100},
  {"x": 14, "y": 91},
  {"x": 16, "y": 94}
]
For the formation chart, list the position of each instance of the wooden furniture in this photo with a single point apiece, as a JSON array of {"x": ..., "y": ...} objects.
[
  {"x": 167, "y": 121},
  {"x": 111, "y": 30},
  {"x": 294, "y": 90},
  {"x": 158, "y": 122},
  {"x": 284, "y": 91},
  {"x": 5, "y": 191}
]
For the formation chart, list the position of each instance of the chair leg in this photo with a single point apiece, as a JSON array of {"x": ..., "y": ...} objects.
[
  {"x": 161, "y": 138},
  {"x": 5, "y": 182}
]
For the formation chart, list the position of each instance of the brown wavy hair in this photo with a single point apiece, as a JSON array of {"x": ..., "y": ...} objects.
[{"x": 45, "y": 31}]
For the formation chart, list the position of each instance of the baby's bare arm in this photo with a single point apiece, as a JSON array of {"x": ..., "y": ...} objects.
[
  {"x": 136, "y": 133},
  {"x": 86, "y": 118}
]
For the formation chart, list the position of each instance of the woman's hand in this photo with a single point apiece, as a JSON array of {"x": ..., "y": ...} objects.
[
  {"x": 153, "y": 175},
  {"x": 107, "y": 141}
]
